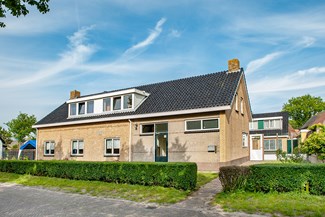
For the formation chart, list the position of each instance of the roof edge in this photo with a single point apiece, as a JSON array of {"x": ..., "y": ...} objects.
[{"x": 151, "y": 115}]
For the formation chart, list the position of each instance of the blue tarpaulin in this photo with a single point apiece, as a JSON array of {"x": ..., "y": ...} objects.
[{"x": 30, "y": 144}]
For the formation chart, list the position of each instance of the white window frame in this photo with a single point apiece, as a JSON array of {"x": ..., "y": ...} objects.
[
  {"x": 276, "y": 142},
  {"x": 76, "y": 112},
  {"x": 45, "y": 145},
  {"x": 150, "y": 133},
  {"x": 105, "y": 148},
  {"x": 78, "y": 142},
  {"x": 86, "y": 107},
  {"x": 202, "y": 129},
  {"x": 245, "y": 140},
  {"x": 274, "y": 125},
  {"x": 78, "y": 108}
]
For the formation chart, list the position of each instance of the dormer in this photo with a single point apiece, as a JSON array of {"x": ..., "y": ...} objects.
[{"x": 105, "y": 103}]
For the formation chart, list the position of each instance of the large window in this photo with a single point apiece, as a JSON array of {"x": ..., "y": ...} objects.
[
  {"x": 81, "y": 108},
  {"x": 266, "y": 124},
  {"x": 77, "y": 147},
  {"x": 117, "y": 103},
  {"x": 147, "y": 128},
  {"x": 49, "y": 148},
  {"x": 107, "y": 104},
  {"x": 272, "y": 144},
  {"x": 127, "y": 101},
  {"x": 90, "y": 107},
  {"x": 112, "y": 146},
  {"x": 204, "y": 124}
]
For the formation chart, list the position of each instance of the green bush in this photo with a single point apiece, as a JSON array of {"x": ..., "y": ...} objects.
[
  {"x": 177, "y": 175},
  {"x": 287, "y": 177},
  {"x": 233, "y": 177}
]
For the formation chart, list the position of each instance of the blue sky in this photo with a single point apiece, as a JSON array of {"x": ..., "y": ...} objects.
[{"x": 98, "y": 45}]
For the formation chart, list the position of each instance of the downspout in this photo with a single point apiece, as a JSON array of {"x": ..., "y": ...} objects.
[
  {"x": 130, "y": 139},
  {"x": 36, "y": 151}
]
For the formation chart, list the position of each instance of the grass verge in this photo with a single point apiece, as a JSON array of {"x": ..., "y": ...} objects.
[
  {"x": 139, "y": 193},
  {"x": 277, "y": 204}
]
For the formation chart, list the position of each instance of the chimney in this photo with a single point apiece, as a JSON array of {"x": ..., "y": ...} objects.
[
  {"x": 233, "y": 65},
  {"x": 74, "y": 94}
]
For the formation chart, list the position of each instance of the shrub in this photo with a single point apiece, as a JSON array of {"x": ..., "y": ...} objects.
[
  {"x": 177, "y": 175},
  {"x": 287, "y": 177},
  {"x": 233, "y": 177},
  {"x": 295, "y": 157}
]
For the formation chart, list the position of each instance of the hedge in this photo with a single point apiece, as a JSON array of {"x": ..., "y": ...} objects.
[
  {"x": 287, "y": 177},
  {"x": 275, "y": 178},
  {"x": 177, "y": 175}
]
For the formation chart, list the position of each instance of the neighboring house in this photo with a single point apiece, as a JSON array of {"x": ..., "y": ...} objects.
[
  {"x": 28, "y": 150},
  {"x": 316, "y": 119},
  {"x": 268, "y": 133},
  {"x": 2, "y": 147},
  {"x": 202, "y": 119}
]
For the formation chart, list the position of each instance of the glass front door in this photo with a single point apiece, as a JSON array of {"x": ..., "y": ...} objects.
[{"x": 161, "y": 142}]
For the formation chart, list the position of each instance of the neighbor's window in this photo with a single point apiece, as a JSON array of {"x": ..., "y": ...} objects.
[
  {"x": 204, "y": 124},
  {"x": 272, "y": 144},
  {"x": 127, "y": 101},
  {"x": 272, "y": 124},
  {"x": 245, "y": 140},
  {"x": 112, "y": 146},
  {"x": 147, "y": 128},
  {"x": 81, "y": 108},
  {"x": 117, "y": 103},
  {"x": 77, "y": 147},
  {"x": 106, "y": 104},
  {"x": 73, "y": 109},
  {"x": 90, "y": 107},
  {"x": 49, "y": 148}
]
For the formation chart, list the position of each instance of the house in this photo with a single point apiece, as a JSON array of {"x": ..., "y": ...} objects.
[
  {"x": 27, "y": 150},
  {"x": 202, "y": 119},
  {"x": 2, "y": 147},
  {"x": 319, "y": 118},
  {"x": 268, "y": 133}
]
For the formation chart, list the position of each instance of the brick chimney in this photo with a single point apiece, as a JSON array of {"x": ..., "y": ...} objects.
[
  {"x": 233, "y": 65},
  {"x": 74, "y": 94}
]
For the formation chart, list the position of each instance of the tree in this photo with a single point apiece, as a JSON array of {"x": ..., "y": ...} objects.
[
  {"x": 21, "y": 127},
  {"x": 315, "y": 143},
  {"x": 302, "y": 108},
  {"x": 5, "y": 135},
  {"x": 18, "y": 7}
]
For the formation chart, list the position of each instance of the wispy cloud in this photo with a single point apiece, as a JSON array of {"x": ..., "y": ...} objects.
[
  {"x": 175, "y": 33},
  {"x": 78, "y": 52},
  {"x": 254, "y": 65},
  {"x": 306, "y": 41},
  {"x": 138, "y": 48}
]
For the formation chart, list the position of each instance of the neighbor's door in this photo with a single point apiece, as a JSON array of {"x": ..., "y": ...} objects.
[
  {"x": 161, "y": 142},
  {"x": 256, "y": 147}
]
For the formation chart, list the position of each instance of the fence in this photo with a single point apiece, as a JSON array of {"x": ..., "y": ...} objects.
[{"x": 13, "y": 154}]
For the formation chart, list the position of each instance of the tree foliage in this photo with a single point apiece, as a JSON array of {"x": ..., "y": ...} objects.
[
  {"x": 21, "y": 127},
  {"x": 19, "y": 7},
  {"x": 302, "y": 108},
  {"x": 5, "y": 135},
  {"x": 315, "y": 143}
]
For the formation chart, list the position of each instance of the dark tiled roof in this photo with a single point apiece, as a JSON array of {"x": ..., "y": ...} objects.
[
  {"x": 204, "y": 91},
  {"x": 316, "y": 119},
  {"x": 285, "y": 124}
]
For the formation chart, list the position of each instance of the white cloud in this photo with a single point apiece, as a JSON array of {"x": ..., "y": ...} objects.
[
  {"x": 175, "y": 33},
  {"x": 306, "y": 41},
  {"x": 137, "y": 49},
  {"x": 258, "y": 63}
]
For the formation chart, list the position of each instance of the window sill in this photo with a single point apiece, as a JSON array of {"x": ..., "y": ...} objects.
[
  {"x": 146, "y": 134},
  {"x": 201, "y": 131},
  {"x": 76, "y": 155},
  {"x": 111, "y": 155},
  {"x": 244, "y": 146},
  {"x": 48, "y": 155}
]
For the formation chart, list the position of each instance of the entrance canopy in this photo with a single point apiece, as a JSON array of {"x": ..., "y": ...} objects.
[{"x": 30, "y": 144}]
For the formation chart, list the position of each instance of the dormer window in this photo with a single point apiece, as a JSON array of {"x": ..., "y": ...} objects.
[
  {"x": 127, "y": 101},
  {"x": 73, "y": 109},
  {"x": 81, "y": 108},
  {"x": 90, "y": 107},
  {"x": 117, "y": 103},
  {"x": 107, "y": 104}
]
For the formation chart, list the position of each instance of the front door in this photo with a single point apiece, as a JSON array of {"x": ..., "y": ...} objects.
[
  {"x": 256, "y": 147},
  {"x": 161, "y": 142}
]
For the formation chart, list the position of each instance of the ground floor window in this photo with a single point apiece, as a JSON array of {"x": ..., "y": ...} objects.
[
  {"x": 49, "y": 148},
  {"x": 272, "y": 144},
  {"x": 112, "y": 146},
  {"x": 245, "y": 140},
  {"x": 77, "y": 147}
]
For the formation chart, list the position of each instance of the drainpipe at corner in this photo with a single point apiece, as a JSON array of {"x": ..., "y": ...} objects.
[
  {"x": 130, "y": 140},
  {"x": 36, "y": 151}
]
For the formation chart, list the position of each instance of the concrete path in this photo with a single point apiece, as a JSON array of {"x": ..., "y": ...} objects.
[{"x": 17, "y": 200}]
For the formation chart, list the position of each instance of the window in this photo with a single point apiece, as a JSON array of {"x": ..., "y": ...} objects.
[
  {"x": 117, "y": 103},
  {"x": 236, "y": 101},
  {"x": 245, "y": 140},
  {"x": 272, "y": 144},
  {"x": 127, "y": 101},
  {"x": 147, "y": 128},
  {"x": 242, "y": 105},
  {"x": 73, "y": 109},
  {"x": 253, "y": 125},
  {"x": 77, "y": 147},
  {"x": 81, "y": 108},
  {"x": 49, "y": 148},
  {"x": 106, "y": 104},
  {"x": 272, "y": 124},
  {"x": 90, "y": 107},
  {"x": 208, "y": 124},
  {"x": 112, "y": 146}
]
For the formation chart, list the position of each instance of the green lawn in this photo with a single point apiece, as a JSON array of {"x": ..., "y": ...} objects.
[
  {"x": 139, "y": 193},
  {"x": 277, "y": 204}
]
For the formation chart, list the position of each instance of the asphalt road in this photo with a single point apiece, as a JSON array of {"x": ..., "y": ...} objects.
[{"x": 16, "y": 200}]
